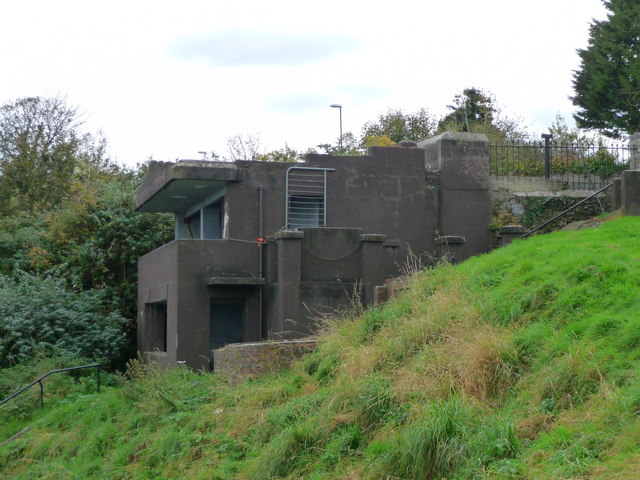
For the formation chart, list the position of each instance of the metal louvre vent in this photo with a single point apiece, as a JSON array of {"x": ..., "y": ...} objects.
[{"x": 306, "y": 197}]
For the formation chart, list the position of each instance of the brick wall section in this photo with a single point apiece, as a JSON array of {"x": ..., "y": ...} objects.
[{"x": 240, "y": 361}]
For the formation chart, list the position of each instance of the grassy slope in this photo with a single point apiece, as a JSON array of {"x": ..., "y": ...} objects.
[{"x": 518, "y": 364}]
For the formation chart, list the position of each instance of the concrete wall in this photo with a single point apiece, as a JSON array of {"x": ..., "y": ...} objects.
[
  {"x": 158, "y": 282},
  {"x": 237, "y": 362},
  {"x": 464, "y": 199},
  {"x": 176, "y": 273},
  {"x": 381, "y": 208}
]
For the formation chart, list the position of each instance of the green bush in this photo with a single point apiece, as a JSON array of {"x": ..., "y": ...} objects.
[{"x": 42, "y": 316}]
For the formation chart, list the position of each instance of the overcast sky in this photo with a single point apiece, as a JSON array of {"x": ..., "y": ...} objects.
[{"x": 169, "y": 79}]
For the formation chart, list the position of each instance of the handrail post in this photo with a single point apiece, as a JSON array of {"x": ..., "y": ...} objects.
[
  {"x": 39, "y": 381},
  {"x": 547, "y": 154}
]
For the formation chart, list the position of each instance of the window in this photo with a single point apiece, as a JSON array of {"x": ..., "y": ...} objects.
[
  {"x": 204, "y": 223},
  {"x": 306, "y": 197},
  {"x": 212, "y": 220}
]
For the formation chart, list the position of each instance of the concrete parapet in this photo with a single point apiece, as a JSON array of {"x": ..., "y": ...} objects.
[
  {"x": 372, "y": 252},
  {"x": 449, "y": 247},
  {"x": 289, "y": 244},
  {"x": 240, "y": 361},
  {"x": 288, "y": 234},
  {"x": 464, "y": 197},
  {"x": 634, "y": 155},
  {"x": 616, "y": 194},
  {"x": 631, "y": 192}
]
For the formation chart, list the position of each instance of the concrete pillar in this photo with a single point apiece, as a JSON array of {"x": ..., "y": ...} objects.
[
  {"x": 509, "y": 233},
  {"x": 616, "y": 194},
  {"x": 449, "y": 248},
  {"x": 634, "y": 156},
  {"x": 631, "y": 193},
  {"x": 289, "y": 244},
  {"x": 372, "y": 265},
  {"x": 464, "y": 198}
]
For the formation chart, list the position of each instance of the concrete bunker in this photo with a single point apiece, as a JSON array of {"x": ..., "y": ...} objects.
[{"x": 262, "y": 250}]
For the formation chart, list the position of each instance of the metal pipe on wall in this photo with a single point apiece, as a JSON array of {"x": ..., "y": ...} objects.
[{"x": 260, "y": 253}]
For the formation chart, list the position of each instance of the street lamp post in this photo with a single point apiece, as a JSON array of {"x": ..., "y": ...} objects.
[{"x": 339, "y": 107}]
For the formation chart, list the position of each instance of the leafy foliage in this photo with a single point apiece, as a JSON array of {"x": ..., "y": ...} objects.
[
  {"x": 397, "y": 126},
  {"x": 43, "y": 153},
  {"x": 67, "y": 221},
  {"x": 607, "y": 84},
  {"x": 41, "y": 315},
  {"x": 284, "y": 154},
  {"x": 471, "y": 107},
  {"x": 477, "y": 111},
  {"x": 350, "y": 145}
]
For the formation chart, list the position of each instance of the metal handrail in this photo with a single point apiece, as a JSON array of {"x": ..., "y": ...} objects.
[
  {"x": 594, "y": 194},
  {"x": 39, "y": 380}
]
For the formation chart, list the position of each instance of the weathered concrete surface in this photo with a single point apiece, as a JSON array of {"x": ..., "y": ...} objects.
[
  {"x": 381, "y": 212},
  {"x": 172, "y": 187},
  {"x": 464, "y": 197},
  {"x": 631, "y": 192},
  {"x": 525, "y": 184},
  {"x": 509, "y": 233},
  {"x": 240, "y": 361},
  {"x": 634, "y": 157},
  {"x": 616, "y": 194}
]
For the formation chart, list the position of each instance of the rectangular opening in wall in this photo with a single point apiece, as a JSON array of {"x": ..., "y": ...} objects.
[
  {"x": 226, "y": 323},
  {"x": 155, "y": 315},
  {"x": 306, "y": 197}
]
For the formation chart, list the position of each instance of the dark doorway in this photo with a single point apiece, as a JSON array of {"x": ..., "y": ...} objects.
[
  {"x": 225, "y": 324},
  {"x": 155, "y": 315}
]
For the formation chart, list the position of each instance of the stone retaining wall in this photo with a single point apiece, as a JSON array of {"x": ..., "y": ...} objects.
[{"x": 239, "y": 361}]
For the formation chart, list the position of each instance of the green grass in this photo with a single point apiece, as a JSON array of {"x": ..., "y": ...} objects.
[{"x": 520, "y": 364}]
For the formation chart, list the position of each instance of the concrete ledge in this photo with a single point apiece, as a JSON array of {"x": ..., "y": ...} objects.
[
  {"x": 450, "y": 240},
  {"x": 372, "y": 237},
  {"x": 162, "y": 174},
  {"x": 233, "y": 281},
  {"x": 288, "y": 234},
  {"x": 239, "y": 361}
]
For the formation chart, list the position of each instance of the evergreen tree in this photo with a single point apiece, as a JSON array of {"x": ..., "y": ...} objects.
[
  {"x": 607, "y": 84},
  {"x": 472, "y": 107}
]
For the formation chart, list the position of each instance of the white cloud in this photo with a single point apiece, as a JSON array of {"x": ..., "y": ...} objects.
[{"x": 234, "y": 48}]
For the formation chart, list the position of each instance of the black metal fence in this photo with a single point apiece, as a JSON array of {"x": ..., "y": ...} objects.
[{"x": 576, "y": 166}]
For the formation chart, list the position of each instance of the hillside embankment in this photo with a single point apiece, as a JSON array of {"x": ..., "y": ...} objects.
[{"x": 519, "y": 364}]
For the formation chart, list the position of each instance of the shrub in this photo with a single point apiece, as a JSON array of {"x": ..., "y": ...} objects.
[{"x": 40, "y": 315}]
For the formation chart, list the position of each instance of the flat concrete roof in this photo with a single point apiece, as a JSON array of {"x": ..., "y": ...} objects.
[{"x": 174, "y": 187}]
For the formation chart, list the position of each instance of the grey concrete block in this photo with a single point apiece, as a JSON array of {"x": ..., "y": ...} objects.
[{"x": 631, "y": 192}]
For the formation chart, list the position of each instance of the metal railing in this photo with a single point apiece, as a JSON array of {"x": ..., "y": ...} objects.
[
  {"x": 572, "y": 207},
  {"x": 576, "y": 166},
  {"x": 39, "y": 380}
]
